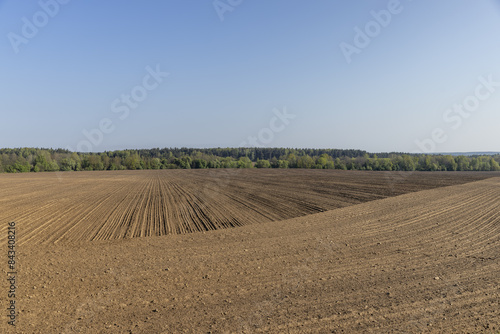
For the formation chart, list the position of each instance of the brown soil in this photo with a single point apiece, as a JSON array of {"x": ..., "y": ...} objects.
[
  {"x": 89, "y": 206},
  {"x": 424, "y": 261}
]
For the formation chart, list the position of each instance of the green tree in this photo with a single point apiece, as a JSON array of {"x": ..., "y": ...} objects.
[
  {"x": 408, "y": 164},
  {"x": 133, "y": 161},
  {"x": 495, "y": 166},
  {"x": 44, "y": 162},
  {"x": 155, "y": 163},
  {"x": 263, "y": 164},
  {"x": 463, "y": 163},
  {"x": 244, "y": 162},
  {"x": 292, "y": 160},
  {"x": 322, "y": 161},
  {"x": 200, "y": 163},
  {"x": 282, "y": 163},
  {"x": 339, "y": 164},
  {"x": 68, "y": 164},
  {"x": 18, "y": 167},
  {"x": 305, "y": 162},
  {"x": 386, "y": 164}
]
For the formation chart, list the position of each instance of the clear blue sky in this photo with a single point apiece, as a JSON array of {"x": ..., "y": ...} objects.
[{"x": 227, "y": 76}]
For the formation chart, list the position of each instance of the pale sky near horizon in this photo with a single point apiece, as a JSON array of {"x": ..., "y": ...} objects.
[{"x": 67, "y": 67}]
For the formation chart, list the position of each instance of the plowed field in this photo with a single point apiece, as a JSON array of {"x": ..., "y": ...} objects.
[
  {"x": 314, "y": 252},
  {"x": 87, "y": 206}
]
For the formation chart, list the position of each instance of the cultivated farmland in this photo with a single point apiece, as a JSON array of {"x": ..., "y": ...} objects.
[
  {"x": 87, "y": 206},
  {"x": 255, "y": 251}
]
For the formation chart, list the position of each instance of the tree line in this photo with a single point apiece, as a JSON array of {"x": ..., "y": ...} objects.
[{"x": 21, "y": 160}]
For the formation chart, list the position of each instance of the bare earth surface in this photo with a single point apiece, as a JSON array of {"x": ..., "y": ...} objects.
[
  {"x": 423, "y": 261},
  {"x": 88, "y": 206}
]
